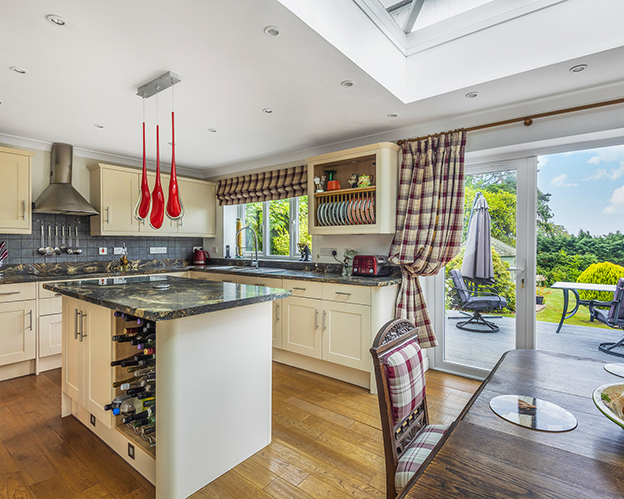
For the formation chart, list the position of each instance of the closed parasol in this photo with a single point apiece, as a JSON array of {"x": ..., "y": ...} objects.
[{"x": 477, "y": 264}]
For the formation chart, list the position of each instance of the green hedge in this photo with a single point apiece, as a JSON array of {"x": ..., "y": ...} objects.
[{"x": 600, "y": 273}]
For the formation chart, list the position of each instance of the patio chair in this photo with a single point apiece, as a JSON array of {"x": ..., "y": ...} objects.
[
  {"x": 614, "y": 317},
  {"x": 409, "y": 439},
  {"x": 476, "y": 301}
]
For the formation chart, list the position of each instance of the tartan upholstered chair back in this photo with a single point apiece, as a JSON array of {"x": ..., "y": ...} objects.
[{"x": 400, "y": 379}]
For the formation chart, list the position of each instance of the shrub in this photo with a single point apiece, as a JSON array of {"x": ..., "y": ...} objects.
[
  {"x": 503, "y": 284},
  {"x": 559, "y": 266},
  {"x": 600, "y": 273}
]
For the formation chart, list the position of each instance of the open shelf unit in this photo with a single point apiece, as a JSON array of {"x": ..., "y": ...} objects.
[{"x": 363, "y": 210}]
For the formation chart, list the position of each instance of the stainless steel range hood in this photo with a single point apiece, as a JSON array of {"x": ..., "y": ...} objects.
[{"x": 60, "y": 197}]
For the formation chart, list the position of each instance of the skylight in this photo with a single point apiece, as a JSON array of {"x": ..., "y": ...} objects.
[{"x": 412, "y": 15}]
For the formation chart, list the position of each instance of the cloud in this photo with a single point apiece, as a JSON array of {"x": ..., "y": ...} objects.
[
  {"x": 607, "y": 155},
  {"x": 542, "y": 160},
  {"x": 601, "y": 173},
  {"x": 560, "y": 181},
  {"x": 616, "y": 202}
]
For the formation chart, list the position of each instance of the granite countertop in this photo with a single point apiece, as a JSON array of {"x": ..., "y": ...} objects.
[
  {"x": 184, "y": 297},
  {"x": 302, "y": 275}
]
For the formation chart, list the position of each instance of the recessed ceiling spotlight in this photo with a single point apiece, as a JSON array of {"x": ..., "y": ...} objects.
[
  {"x": 472, "y": 95},
  {"x": 212, "y": 130},
  {"x": 17, "y": 70},
  {"x": 578, "y": 68},
  {"x": 267, "y": 110},
  {"x": 393, "y": 115},
  {"x": 97, "y": 125},
  {"x": 347, "y": 83},
  {"x": 58, "y": 20},
  {"x": 272, "y": 30}
]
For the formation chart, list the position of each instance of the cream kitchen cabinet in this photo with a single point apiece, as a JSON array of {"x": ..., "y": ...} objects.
[
  {"x": 346, "y": 334},
  {"x": 199, "y": 199},
  {"x": 301, "y": 331},
  {"x": 50, "y": 335},
  {"x": 87, "y": 376},
  {"x": 18, "y": 331},
  {"x": 15, "y": 191},
  {"x": 277, "y": 305},
  {"x": 114, "y": 193}
]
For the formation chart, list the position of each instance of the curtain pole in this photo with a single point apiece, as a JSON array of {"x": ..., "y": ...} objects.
[{"x": 527, "y": 120}]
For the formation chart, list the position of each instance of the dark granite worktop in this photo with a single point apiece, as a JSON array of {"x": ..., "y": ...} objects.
[
  {"x": 184, "y": 297},
  {"x": 304, "y": 271}
]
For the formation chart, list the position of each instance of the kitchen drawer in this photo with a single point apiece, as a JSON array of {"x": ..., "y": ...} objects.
[
  {"x": 263, "y": 281},
  {"x": 306, "y": 289},
  {"x": 51, "y": 306},
  {"x": 18, "y": 292},
  {"x": 347, "y": 294}
]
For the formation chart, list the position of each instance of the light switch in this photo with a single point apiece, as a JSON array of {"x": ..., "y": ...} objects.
[{"x": 102, "y": 251}]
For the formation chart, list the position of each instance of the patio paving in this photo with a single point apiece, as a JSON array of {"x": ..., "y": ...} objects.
[{"x": 485, "y": 349}]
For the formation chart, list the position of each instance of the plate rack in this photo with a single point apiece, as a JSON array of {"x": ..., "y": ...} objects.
[{"x": 345, "y": 207}]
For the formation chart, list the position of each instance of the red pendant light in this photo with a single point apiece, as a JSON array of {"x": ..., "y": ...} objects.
[
  {"x": 158, "y": 197},
  {"x": 175, "y": 208},
  {"x": 141, "y": 210}
]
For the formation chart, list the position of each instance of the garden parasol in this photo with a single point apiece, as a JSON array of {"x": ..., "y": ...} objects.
[{"x": 477, "y": 264}]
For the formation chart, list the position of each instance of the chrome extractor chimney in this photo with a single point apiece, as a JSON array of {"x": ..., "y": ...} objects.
[{"x": 60, "y": 197}]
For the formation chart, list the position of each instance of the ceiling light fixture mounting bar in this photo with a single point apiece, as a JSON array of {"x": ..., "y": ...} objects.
[{"x": 157, "y": 85}]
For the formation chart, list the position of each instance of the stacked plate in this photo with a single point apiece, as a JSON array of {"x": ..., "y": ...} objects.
[{"x": 352, "y": 212}]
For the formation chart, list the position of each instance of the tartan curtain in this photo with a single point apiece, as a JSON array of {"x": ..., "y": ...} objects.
[
  {"x": 430, "y": 216},
  {"x": 264, "y": 186}
]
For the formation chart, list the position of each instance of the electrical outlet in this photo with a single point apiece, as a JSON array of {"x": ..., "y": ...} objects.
[
  {"x": 328, "y": 251},
  {"x": 130, "y": 450},
  {"x": 118, "y": 251},
  {"x": 215, "y": 250},
  {"x": 157, "y": 250},
  {"x": 195, "y": 248},
  {"x": 92, "y": 420},
  {"x": 102, "y": 251}
]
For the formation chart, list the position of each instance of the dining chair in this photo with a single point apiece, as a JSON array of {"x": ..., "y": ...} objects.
[
  {"x": 614, "y": 317},
  {"x": 408, "y": 437},
  {"x": 476, "y": 301}
]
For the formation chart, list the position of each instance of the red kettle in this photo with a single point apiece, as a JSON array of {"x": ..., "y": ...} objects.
[{"x": 200, "y": 257}]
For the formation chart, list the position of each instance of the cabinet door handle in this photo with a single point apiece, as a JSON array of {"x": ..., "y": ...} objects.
[
  {"x": 58, "y": 294},
  {"x": 324, "y": 315},
  {"x": 10, "y": 293},
  {"x": 316, "y": 319},
  {"x": 300, "y": 289},
  {"x": 343, "y": 293},
  {"x": 76, "y": 325},
  {"x": 30, "y": 314},
  {"x": 276, "y": 312},
  {"x": 82, "y": 335},
  {"x": 23, "y": 210},
  {"x": 256, "y": 284},
  {"x": 107, "y": 215}
]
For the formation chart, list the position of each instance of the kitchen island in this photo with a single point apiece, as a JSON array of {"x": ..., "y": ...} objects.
[{"x": 213, "y": 366}]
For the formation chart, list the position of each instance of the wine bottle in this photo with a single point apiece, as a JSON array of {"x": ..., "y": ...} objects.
[
  {"x": 149, "y": 351},
  {"x": 143, "y": 338},
  {"x": 147, "y": 430},
  {"x": 130, "y": 318},
  {"x": 140, "y": 371},
  {"x": 146, "y": 395},
  {"x": 151, "y": 376},
  {"x": 140, "y": 415},
  {"x": 133, "y": 383},
  {"x": 143, "y": 346},
  {"x": 142, "y": 356},
  {"x": 142, "y": 422},
  {"x": 147, "y": 362},
  {"x": 141, "y": 390},
  {"x": 134, "y": 330},
  {"x": 120, "y": 361},
  {"x": 116, "y": 402},
  {"x": 119, "y": 384},
  {"x": 124, "y": 338},
  {"x": 129, "y": 363},
  {"x": 129, "y": 407},
  {"x": 150, "y": 402}
]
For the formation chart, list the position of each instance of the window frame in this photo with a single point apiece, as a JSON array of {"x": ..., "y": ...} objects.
[{"x": 293, "y": 231}]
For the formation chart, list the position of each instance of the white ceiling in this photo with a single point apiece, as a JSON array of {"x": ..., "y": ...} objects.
[{"x": 87, "y": 72}]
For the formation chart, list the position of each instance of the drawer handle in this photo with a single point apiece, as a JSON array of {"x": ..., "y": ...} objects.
[
  {"x": 277, "y": 312},
  {"x": 256, "y": 284},
  {"x": 343, "y": 293},
  {"x": 30, "y": 314},
  {"x": 316, "y": 319},
  {"x": 231, "y": 282},
  {"x": 82, "y": 335},
  {"x": 324, "y": 315},
  {"x": 76, "y": 325},
  {"x": 23, "y": 210},
  {"x": 107, "y": 215},
  {"x": 300, "y": 289},
  {"x": 10, "y": 293}
]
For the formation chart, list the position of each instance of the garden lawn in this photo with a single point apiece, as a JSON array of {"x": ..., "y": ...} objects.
[{"x": 554, "y": 307}]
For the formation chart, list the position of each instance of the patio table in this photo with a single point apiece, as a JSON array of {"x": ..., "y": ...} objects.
[{"x": 566, "y": 287}]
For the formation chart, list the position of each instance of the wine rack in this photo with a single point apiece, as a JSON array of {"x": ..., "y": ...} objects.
[{"x": 123, "y": 351}]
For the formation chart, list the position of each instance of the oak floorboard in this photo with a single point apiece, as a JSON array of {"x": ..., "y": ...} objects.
[
  {"x": 12, "y": 486},
  {"x": 51, "y": 488},
  {"x": 326, "y": 443}
]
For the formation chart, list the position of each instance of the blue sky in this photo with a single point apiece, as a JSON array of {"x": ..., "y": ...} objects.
[{"x": 587, "y": 189}]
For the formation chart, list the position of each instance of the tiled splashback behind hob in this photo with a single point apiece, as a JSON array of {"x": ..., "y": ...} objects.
[{"x": 23, "y": 248}]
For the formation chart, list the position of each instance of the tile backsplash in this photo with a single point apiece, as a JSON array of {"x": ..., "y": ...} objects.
[{"x": 23, "y": 248}]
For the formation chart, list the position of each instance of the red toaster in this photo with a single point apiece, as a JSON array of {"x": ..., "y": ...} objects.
[{"x": 371, "y": 265}]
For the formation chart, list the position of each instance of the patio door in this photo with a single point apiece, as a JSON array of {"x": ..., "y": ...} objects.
[{"x": 510, "y": 188}]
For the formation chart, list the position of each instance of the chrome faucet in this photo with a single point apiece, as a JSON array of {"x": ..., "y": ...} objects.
[{"x": 254, "y": 263}]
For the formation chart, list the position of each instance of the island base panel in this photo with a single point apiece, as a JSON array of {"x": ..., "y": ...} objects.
[{"x": 214, "y": 395}]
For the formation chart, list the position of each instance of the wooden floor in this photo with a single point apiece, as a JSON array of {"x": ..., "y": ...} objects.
[{"x": 326, "y": 443}]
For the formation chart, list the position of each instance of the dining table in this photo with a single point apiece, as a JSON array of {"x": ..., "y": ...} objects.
[
  {"x": 485, "y": 456},
  {"x": 575, "y": 287}
]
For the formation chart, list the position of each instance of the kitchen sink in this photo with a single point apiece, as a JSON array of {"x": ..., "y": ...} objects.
[{"x": 261, "y": 270}]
